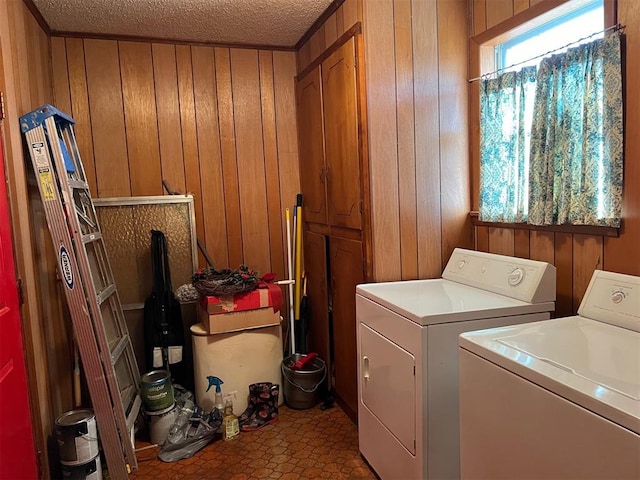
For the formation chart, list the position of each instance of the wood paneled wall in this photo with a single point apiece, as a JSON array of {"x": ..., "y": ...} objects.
[
  {"x": 575, "y": 255},
  {"x": 215, "y": 122},
  {"x": 346, "y": 16},
  {"x": 416, "y": 72},
  {"x": 25, "y": 80}
]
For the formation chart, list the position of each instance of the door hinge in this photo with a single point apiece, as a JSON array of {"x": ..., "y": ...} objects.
[
  {"x": 20, "y": 292},
  {"x": 414, "y": 370},
  {"x": 2, "y": 115},
  {"x": 355, "y": 61}
]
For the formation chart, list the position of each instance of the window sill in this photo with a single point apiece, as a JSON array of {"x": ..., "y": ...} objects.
[{"x": 578, "y": 229}]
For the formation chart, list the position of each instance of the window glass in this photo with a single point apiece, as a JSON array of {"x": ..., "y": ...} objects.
[{"x": 527, "y": 49}]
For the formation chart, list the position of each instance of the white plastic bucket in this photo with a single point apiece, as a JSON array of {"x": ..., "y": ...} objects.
[
  {"x": 92, "y": 470},
  {"x": 77, "y": 436},
  {"x": 160, "y": 423}
]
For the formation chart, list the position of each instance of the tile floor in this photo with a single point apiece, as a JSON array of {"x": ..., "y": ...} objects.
[{"x": 304, "y": 444}]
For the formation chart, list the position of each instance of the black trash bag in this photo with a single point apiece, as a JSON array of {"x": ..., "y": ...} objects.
[
  {"x": 163, "y": 327},
  {"x": 193, "y": 430}
]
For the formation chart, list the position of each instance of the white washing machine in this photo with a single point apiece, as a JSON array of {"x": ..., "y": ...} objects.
[
  {"x": 558, "y": 399},
  {"x": 408, "y": 356}
]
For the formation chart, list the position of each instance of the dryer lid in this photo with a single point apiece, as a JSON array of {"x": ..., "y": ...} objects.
[{"x": 434, "y": 301}]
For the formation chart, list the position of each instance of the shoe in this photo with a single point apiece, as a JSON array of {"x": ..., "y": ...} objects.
[
  {"x": 266, "y": 411},
  {"x": 254, "y": 392}
]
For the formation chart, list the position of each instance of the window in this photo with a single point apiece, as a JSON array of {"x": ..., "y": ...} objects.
[{"x": 551, "y": 128}]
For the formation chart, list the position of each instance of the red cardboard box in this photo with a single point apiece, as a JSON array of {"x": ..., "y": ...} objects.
[{"x": 266, "y": 295}]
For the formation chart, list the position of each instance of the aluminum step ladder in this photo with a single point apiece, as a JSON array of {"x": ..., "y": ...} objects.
[{"x": 105, "y": 347}]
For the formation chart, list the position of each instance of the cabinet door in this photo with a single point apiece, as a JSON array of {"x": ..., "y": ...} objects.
[
  {"x": 311, "y": 142},
  {"x": 346, "y": 263},
  {"x": 341, "y": 137},
  {"x": 315, "y": 266}
]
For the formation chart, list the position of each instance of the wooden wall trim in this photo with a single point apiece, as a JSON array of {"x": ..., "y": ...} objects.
[
  {"x": 353, "y": 31},
  {"x": 38, "y": 16},
  {"x": 318, "y": 23},
  {"x": 575, "y": 229},
  {"x": 172, "y": 41}
]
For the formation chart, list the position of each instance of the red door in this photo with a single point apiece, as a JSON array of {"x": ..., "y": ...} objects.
[{"x": 17, "y": 453}]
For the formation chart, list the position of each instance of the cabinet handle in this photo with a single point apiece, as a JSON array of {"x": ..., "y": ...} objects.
[{"x": 365, "y": 368}]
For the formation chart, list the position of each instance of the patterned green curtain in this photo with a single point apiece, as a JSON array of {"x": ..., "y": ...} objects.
[
  {"x": 506, "y": 108},
  {"x": 577, "y": 137}
]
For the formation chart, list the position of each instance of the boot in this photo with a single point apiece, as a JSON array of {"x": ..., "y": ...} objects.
[
  {"x": 254, "y": 393},
  {"x": 266, "y": 411}
]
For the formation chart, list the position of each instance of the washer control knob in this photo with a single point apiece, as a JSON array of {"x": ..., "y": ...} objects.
[
  {"x": 516, "y": 276},
  {"x": 461, "y": 264},
  {"x": 618, "y": 296}
]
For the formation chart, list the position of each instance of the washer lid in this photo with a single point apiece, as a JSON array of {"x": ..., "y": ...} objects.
[
  {"x": 443, "y": 301},
  {"x": 591, "y": 363}
]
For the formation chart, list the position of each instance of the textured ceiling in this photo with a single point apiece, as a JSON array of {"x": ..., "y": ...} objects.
[{"x": 254, "y": 22}]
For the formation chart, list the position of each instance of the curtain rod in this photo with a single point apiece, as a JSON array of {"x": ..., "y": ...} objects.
[{"x": 615, "y": 27}]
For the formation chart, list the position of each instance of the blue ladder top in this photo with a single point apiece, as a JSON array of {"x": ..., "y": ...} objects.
[{"x": 36, "y": 118}]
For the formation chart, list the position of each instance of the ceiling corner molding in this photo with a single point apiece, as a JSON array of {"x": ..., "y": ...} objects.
[
  {"x": 172, "y": 41},
  {"x": 318, "y": 23},
  {"x": 38, "y": 16}
]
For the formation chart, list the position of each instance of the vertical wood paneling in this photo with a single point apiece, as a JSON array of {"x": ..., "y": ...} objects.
[
  {"x": 383, "y": 154},
  {"x": 250, "y": 157},
  {"x": 498, "y": 11},
  {"x": 189, "y": 137},
  {"x": 521, "y": 243},
  {"x": 520, "y": 5},
  {"x": 587, "y": 257},
  {"x": 563, "y": 261},
  {"x": 60, "y": 70},
  {"x": 479, "y": 16},
  {"x": 340, "y": 20},
  {"x": 618, "y": 251},
  {"x": 501, "y": 241},
  {"x": 352, "y": 13},
  {"x": 403, "y": 37},
  {"x": 482, "y": 239},
  {"x": 284, "y": 94},
  {"x": 165, "y": 78},
  {"x": 316, "y": 44},
  {"x": 136, "y": 71},
  {"x": 206, "y": 108},
  {"x": 454, "y": 148},
  {"x": 107, "y": 118},
  {"x": 47, "y": 360},
  {"x": 542, "y": 246},
  {"x": 228, "y": 150},
  {"x": 269, "y": 139},
  {"x": 80, "y": 108},
  {"x": 330, "y": 30},
  {"x": 426, "y": 137},
  {"x": 304, "y": 56}
]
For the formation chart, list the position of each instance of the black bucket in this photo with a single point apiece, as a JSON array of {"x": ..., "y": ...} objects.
[{"x": 301, "y": 387}]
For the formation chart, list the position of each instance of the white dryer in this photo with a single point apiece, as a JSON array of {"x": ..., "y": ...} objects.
[
  {"x": 556, "y": 399},
  {"x": 408, "y": 360}
]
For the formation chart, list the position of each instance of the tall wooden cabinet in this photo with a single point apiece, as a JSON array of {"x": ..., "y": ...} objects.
[{"x": 330, "y": 133}]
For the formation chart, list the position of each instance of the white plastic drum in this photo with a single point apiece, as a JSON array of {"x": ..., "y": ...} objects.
[
  {"x": 77, "y": 437},
  {"x": 238, "y": 359}
]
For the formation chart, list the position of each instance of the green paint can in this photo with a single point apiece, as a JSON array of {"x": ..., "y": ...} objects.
[{"x": 156, "y": 390}]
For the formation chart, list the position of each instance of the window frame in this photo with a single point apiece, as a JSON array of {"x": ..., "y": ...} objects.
[{"x": 482, "y": 60}]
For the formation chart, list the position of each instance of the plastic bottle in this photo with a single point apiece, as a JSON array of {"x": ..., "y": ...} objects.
[
  {"x": 230, "y": 425},
  {"x": 217, "y": 402}
]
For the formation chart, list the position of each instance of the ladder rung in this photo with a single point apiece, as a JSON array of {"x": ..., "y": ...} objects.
[
  {"x": 106, "y": 293},
  {"x": 133, "y": 413},
  {"x": 78, "y": 184},
  {"x": 119, "y": 348},
  {"x": 127, "y": 396},
  {"x": 91, "y": 237}
]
